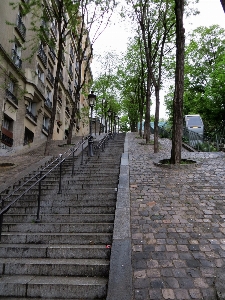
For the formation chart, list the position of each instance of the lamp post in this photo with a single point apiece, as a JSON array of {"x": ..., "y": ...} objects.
[
  {"x": 109, "y": 115},
  {"x": 115, "y": 119},
  {"x": 91, "y": 101}
]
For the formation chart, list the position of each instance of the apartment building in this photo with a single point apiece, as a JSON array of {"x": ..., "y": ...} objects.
[{"x": 26, "y": 84}]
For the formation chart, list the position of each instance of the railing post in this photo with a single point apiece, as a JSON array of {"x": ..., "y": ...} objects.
[
  {"x": 1, "y": 217},
  {"x": 39, "y": 200},
  {"x": 60, "y": 175},
  {"x": 73, "y": 163},
  {"x": 82, "y": 151}
]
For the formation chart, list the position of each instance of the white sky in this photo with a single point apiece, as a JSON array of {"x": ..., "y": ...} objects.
[{"x": 115, "y": 37}]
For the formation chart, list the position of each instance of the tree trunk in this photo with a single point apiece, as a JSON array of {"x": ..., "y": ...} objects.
[
  {"x": 147, "y": 113},
  {"x": 179, "y": 85},
  {"x": 56, "y": 83},
  {"x": 156, "y": 122}
]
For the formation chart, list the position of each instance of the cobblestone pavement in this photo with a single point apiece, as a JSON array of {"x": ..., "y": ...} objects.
[{"x": 177, "y": 223}]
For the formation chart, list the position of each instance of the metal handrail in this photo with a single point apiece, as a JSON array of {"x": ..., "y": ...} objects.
[{"x": 60, "y": 160}]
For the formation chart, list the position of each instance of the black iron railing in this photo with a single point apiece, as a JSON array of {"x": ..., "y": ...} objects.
[
  {"x": 7, "y": 140},
  {"x": 31, "y": 115},
  {"x": 11, "y": 96},
  {"x": 20, "y": 26},
  {"x": 42, "y": 56},
  {"x": 50, "y": 77},
  {"x": 56, "y": 164}
]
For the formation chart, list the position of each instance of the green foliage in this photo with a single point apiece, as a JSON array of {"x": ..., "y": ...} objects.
[{"x": 204, "y": 76}]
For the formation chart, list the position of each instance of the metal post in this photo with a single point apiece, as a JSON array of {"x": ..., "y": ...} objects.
[
  {"x": 73, "y": 163},
  {"x": 60, "y": 175},
  {"x": 90, "y": 140},
  {"x": 82, "y": 151},
  {"x": 39, "y": 200},
  {"x": 1, "y": 217}
]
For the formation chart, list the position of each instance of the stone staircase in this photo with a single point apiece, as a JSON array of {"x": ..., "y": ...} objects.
[{"x": 66, "y": 255}]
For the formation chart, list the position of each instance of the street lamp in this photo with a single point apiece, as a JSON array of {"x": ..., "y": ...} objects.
[
  {"x": 109, "y": 115},
  {"x": 91, "y": 101}
]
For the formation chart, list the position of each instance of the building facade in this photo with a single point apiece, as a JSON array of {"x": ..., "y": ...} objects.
[{"x": 26, "y": 84}]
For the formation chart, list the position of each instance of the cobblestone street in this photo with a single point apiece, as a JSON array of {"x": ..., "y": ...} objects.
[{"x": 177, "y": 223}]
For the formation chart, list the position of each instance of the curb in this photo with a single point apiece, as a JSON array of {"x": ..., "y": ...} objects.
[{"x": 120, "y": 274}]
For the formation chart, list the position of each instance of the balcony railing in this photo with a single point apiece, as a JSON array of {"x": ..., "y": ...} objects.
[
  {"x": 48, "y": 103},
  {"x": 42, "y": 56},
  {"x": 16, "y": 59},
  {"x": 52, "y": 53},
  {"x": 20, "y": 26},
  {"x": 11, "y": 97},
  {"x": 7, "y": 137},
  {"x": 50, "y": 77},
  {"x": 30, "y": 114},
  {"x": 54, "y": 30},
  {"x": 60, "y": 100}
]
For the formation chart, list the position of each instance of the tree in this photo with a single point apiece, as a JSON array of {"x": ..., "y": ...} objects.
[
  {"x": 156, "y": 22},
  {"x": 179, "y": 85},
  {"x": 204, "y": 76}
]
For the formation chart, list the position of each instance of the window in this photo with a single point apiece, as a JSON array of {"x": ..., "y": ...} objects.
[
  {"x": 40, "y": 74},
  {"x": 45, "y": 123},
  {"x": 49, "y": 94},
  {"x": 16, "y": 54}
]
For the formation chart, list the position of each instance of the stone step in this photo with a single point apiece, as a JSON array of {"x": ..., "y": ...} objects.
[
  {"x": 56, "y": 238},
  {"x": 57, "y": 227},
  {"x": 104, "y": 209},
  {"x": 45, "y": 203},
  {"x": 53, "y": 287},
  {"x": 68, "y": 193},
  {"x": 54, "y": 218},
  {"x": 54, "y": 251},
  {"x": 54, "y": 266}
]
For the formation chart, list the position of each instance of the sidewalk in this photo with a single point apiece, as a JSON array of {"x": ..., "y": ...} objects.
[{"x": 177, "y": 223}]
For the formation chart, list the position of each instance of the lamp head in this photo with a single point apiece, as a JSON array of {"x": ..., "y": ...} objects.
[{"x": 91, "y": 99}]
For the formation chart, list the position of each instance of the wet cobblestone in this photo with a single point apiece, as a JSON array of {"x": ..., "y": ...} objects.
[{"x": 177, "y": 223}]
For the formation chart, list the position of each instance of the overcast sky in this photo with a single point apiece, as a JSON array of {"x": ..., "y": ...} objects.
[{"x": 115, "y": 37}]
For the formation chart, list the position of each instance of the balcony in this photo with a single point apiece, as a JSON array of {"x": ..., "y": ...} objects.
[
  {"x": 11, "y": 97},
  {"x": 21, "y": 27},
  {"x": 16, "y": 59},
  {"x": 42, "y": 56},
  {"x": 54, "y": 30},
  {"x": 50, "y": 77},
  {"x": 31, "y": 116},
  {"x": 67, "y": 111},
  {"x": 60, "y": 100},
  {"x": 48, "y": 103},
  {"x": 52, "y": 53},
  {"x": 7, "y": 137}
]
